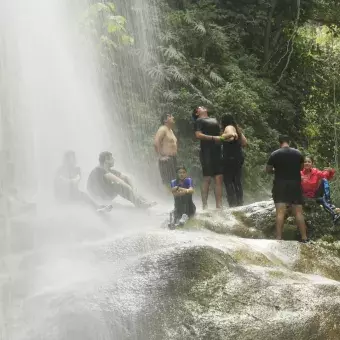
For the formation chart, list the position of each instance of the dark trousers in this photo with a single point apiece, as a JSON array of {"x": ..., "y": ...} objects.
[
  {"x": 232, "y": 177},
  {"x": 184, "y": 205},
  {"x": 323, "y": 197}
]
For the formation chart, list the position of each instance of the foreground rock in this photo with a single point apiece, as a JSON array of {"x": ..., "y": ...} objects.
[
  {"x": 258, "y": 221},
  {"x": 168, "y": 285}
]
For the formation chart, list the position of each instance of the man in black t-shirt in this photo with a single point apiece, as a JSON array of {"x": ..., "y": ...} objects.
[
  {"x": 207, "y": 130},
  {"x": 286, "y": 164},
  {"x": 105, "y": 183}
]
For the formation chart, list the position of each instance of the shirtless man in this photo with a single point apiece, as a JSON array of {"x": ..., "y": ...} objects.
[{"x": 166, "y": 147}]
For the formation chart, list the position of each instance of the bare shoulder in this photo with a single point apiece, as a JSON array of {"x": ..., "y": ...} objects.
[
  {"x": 162, "y": 129},
  {"x": 230, "y": 128}
]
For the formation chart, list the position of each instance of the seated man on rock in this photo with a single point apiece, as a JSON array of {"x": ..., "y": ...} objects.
[
  {"x": 105, "y": 183},
  {"x": 66, "y": 184}
]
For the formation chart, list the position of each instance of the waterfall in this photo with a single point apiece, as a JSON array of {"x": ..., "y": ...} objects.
[{"x": 67, "y": 273}]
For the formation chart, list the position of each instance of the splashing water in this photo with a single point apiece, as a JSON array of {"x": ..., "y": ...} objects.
[
  {"x": 52, "y": 100},
  {"x": 53, "y": 104},
  {"x": 70, "y": 274}
]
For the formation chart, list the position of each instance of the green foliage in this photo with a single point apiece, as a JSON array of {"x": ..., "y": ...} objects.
[
  {"x": 274, "y": 64},
  {"x": 107, "y": 28}
]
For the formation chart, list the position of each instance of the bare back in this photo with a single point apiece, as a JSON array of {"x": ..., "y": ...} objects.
[{"x": 165, "y": 142}]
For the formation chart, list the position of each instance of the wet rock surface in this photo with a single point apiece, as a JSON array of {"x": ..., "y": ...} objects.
[
  {"x": 114, "y": 282},
  {"x": 258, "y": 221}
]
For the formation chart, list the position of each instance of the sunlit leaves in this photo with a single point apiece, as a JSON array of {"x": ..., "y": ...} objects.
[{"x": 107, "y": 28}]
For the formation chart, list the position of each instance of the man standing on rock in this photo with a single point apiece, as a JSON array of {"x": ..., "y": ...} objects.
[
  {"x": 166, "y": 147},
  {"x": 286, "y": 164},
  {"x": 207, "y": 130}
]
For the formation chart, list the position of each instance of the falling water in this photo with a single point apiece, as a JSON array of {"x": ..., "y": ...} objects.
[
  {"x": 66, "y": 273},
  {"x": 55, "y": 97}
]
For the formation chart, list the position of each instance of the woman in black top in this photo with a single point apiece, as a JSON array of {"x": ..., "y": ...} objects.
[{"x": 233, "y": 159}]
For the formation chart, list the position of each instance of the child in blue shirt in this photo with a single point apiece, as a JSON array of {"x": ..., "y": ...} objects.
[{"x": 182, "y": 189}]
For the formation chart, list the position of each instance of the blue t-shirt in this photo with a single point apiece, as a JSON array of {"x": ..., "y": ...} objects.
[{"x": 186, "y": 184}]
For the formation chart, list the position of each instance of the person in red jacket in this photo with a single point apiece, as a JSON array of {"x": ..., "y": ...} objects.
[{"x": 315, "y": 185}]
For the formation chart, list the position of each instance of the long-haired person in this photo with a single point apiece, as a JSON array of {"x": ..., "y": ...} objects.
[
  {"x": 233, "y": 143},
  {"x": 315, "y": 185},
  {"x": 66, "y": 184}
]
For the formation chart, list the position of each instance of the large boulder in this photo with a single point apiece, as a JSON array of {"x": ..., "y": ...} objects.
[
  {"x": 258, "y": 221},
  {"x": 112, "y": 280}
]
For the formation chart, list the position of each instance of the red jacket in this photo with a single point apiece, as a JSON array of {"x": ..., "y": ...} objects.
[{"x": 311, "y": 180}]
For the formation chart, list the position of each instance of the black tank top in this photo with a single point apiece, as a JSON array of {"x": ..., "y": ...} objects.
[{"x": 232, "y": 151}]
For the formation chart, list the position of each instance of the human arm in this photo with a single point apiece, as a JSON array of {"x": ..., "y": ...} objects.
[
  {"x": 201, "y": 136},
  {"x": 113, "y": 178},
  {"x": 229, "y": 133},
  {"x": 121, "y": 176},
  {"x": 270, "y": 169},
  {"x": 327, "y": 173},
  {"x": 64, "y": 175},
  {"x": 76, "y": 179},
  {"x": 183, "y": 191},
  {"x": 244, "y": 141},
  {"x": 159, "y": 139},
  {"x": 179, "y": 191}
]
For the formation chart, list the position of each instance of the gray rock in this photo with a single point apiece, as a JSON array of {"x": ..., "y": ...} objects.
[{"x": 95, "y": 282}]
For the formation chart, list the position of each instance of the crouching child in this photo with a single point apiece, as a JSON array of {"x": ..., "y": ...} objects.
[{"x": 182, "y": 189}]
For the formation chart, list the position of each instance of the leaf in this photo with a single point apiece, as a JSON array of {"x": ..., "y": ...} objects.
[
  {"x": 171, "y": 53},
  {"x": 199, "y": 27},
  {"x": 217, "y": 79}
]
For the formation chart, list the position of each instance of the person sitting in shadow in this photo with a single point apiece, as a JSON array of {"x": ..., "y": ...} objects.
[
  {"x": 66, "y": 184},
  {"x": 106, "y": 183},
  {"x": 182, "y": 189}
]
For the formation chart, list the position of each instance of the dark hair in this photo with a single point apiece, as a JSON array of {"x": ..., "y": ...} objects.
[
  {"x": 310, "y": 157},
  {"x": 103, "y": 156},
  {"x": 164, "y": 117},
  {"x": 180, "y": 167},
  {"x": 228, "y": 119},
  {"x": 194, "y": 113},
  {"x": 284, "y": 139}
]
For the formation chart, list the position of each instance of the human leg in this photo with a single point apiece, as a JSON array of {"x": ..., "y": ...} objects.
[
  {"x": 228, "y": 178},
  {"x": 238, "y": 184},
  {"x": 218, "y": 191},
  {"x": 217, "y": 172},
  {"x": 323, "y": 197},
  {"x": 167, "y": 168},
  {"x": 300, "y": 220},
  {"x": 280, "y": 218},
  {"x": 124, "y": 190},
  {"x": 205, "y": 191},
  {"x": 184, "y": 206}
]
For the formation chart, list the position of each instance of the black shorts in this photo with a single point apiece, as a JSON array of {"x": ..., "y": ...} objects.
[
  {"x": 167, "y": 169},
  {"x": 211, "y": 161},
  {"x": 289, "y": 192}
]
